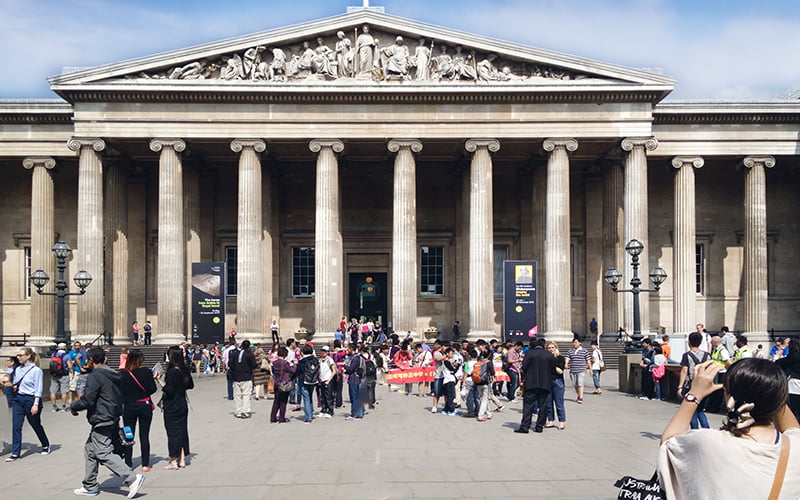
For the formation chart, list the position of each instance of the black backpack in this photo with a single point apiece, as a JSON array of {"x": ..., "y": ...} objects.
[
  {"x": 311, "y": 371},
  {"x": 370, "y": 370}
]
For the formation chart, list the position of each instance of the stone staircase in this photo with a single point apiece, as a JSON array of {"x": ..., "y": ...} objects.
[{"x": 152, "y": 354}]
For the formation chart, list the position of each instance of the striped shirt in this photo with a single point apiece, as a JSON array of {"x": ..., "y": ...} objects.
[{"x": 579, "y": 359}]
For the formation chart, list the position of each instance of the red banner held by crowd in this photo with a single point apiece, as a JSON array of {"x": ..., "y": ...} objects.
[{"x": 410, "y": 375}]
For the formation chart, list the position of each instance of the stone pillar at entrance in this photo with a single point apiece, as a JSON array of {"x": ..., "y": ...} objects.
[
  {"x": 43, "y": 315},
  {"x": 116, "y": 222},
  {"x": 684, "y": 258},
  {"x": 171, "y": 292},
  {"x": 557, "y": 287},
  {"x": 250, "y": 280},
  {"x": 613, "y": 246},
  {"x": 755, "y": 247},
  {"x": 404, "y": 236},
  {"x": 328, "y": 252},
  {"x": 481, "y": 238},
  {"x": 91, "y": 306},
  {"x": 636, "y": 223}
]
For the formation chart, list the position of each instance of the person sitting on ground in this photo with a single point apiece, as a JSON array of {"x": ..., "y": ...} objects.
[{"x": 758, "y": 430}]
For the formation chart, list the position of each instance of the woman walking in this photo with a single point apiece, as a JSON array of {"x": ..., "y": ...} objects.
[
  {"x": 177, "y": 380},
  {"x": 282, "y": 372},
  {"x": 260, "y": 373},
  {"x": 556, "y": 396},
  {"x": 27, "y": 403},
  {"x": 137, "y": 386}
]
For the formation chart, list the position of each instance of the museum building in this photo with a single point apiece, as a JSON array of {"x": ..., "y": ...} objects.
[{"x": 372, "y": 149}]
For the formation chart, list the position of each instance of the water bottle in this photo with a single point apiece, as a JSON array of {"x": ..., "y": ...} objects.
[{"x": 128, "y": 432}]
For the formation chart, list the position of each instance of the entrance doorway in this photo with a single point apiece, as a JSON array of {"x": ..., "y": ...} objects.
[{"x": 368, "y": 296}]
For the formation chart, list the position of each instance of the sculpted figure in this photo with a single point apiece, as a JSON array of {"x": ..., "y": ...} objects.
[
  {"x": 233, "y": 69},
  {"x": 462, "y": 66},
  {"x": 396, "y": 58},
  {"x": 422, "y": 60},
  {"x": 444, "y": 65},
  {"x": 277, "y": 68},
  {"x": 192, "y": 71},
  {"x": 322, "y": 61},
  {"x": 254, "y": 68},
  {"x": 344, "y": 55},
  {"x": 365, "y": 46},
  {"x": 488, "y": 72}
]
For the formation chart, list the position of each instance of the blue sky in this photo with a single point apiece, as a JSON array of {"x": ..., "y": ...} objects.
[{"x": 737, "y": 50}]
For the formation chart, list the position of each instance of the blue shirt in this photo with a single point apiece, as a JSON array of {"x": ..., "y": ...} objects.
[{"x": 29, "y": 378}]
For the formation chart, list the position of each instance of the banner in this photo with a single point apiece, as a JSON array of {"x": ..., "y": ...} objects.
[
  {"x": 519, "y": 300},
  {"x": 208, "y": 302},
  {"x": 410, "y": 375}
]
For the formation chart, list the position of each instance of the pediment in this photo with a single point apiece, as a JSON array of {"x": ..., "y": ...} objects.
[{"x": 357, "y": 51}]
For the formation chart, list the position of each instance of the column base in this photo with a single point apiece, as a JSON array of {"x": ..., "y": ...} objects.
[
  {"x": 168, "y": 339},
  {"x": 254, "y": 338},
  {"x": 486, "y": 335},
  {"x": 40, "y": 344},
  {"x": 754, "y": 338},
  {"x": 320, "y": 338},
  {"x": 559, "y": 336}
]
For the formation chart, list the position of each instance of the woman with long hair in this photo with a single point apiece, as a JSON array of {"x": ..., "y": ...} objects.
[
  {"x": 27, "y": 403},
  {"x": 137, "y": 386},
  {"x": 176, "y": 381},
  {"x": 260, "y": 374},
  {"x": 756, "y": 441},
  {"x": 556, "y": 396},
  {"x": 282, "y": 372}
]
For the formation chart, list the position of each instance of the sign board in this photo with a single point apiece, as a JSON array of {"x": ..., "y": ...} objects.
[
  {"x": 519, "y": 300},
  {"x": 208, "y": 302}
]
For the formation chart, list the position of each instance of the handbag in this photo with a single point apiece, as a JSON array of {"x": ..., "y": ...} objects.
[
  {"x": 630, "y": 487},
  {"x": 147, "y": 399}
]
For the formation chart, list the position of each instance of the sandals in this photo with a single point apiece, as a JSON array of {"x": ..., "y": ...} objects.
[
  {"x": 171, "y": 466},
  {"x": 561, "y": 427}
]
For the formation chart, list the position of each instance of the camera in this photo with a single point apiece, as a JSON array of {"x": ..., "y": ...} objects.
[{"x": 720, "y": 376}]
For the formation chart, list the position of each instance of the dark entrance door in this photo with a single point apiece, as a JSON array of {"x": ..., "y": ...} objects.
[{"x": 368, "y": 296}]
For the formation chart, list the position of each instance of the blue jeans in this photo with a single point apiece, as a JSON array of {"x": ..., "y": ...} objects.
[
  {"x": 473, "y": 400},
  {"x": 556, "y": 397},
  {"x": 229, "y": 378},
  {"x": 596, "y": 378},
  {"x": 513, "y": 384},
  {"x": 699, "y": 417},
  {"x": 21, "y": 409},
  {"x": 450, "y": 397},
  {"x": 307, "y": 392},
  {"x": 356, "y": 406}
]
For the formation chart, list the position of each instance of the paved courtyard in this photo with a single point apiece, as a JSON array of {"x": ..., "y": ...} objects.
[{"x": 400, "y": 450}]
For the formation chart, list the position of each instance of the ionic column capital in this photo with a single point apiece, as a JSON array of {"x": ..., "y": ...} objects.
[
  {"x": 695, "y": 161},
  {"x": 492, "y": 145},
  {"x": 567, "y": 143},
  {"x": 752, "y": 161},
  {"x": 156, "y": 145},
  {"x": 76, "y": 143},
  {"x": 33, "y": 161},
  {"x": 648, "y": 143},
  {"x": 395, "y": 145},
  {"x": 257, "y": 144},
  {"x": 316, "y": 145}
]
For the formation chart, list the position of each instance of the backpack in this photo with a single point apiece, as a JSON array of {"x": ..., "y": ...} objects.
[
  {"x": 480, "y": 375},
  {"x": 370, "y": 370},
  {"x": 311, "y": 371},
  {"x": 687, "y": 384},
  {"x": 57, "y": 368}
]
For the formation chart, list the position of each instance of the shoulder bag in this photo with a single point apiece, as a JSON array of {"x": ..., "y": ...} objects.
[{"x": 147, "y": 399}]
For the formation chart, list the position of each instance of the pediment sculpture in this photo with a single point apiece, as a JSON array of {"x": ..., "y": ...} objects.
[{"x": 365, "y": 56}]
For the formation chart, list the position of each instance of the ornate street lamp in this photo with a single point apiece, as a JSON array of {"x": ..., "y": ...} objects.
[
  {"x": 39, "y": 278},
  {"x": 657, "y": 277}
]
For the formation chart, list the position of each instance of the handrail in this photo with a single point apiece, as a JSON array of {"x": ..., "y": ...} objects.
[{"x": 11, "y": 339}]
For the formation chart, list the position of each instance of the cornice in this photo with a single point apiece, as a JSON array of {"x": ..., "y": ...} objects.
[
  {"x": 720, "y": 112},
  {"x": 35, "y": 111}
]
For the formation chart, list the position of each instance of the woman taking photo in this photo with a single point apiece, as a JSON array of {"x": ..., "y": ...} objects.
[
  {"x": 756, "y": 441},
  {"x": 27, "y": 402},
  {"x": 556, "y": 396},
  {"x": 176, "y": 381},
  {"x": 137, "y": 385},
  {"x": 282, "y": 372}
]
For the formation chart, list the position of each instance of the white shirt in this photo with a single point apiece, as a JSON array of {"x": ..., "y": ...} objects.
[{"x": 326, "y": 368}]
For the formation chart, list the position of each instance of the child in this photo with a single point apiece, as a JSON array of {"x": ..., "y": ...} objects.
[{"x": 658, "y": 370}]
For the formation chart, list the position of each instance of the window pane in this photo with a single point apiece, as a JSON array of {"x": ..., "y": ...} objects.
[
  {"x": 699, "y": 254},
  {"x": 302, "y": 271},
  {"x": 431, "y": 271},
  {"x": 27, "y": 272},
  {"x": 233, "y": 266}
]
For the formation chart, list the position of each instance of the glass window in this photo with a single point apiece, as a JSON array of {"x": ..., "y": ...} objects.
[
  {"x": 431, "y": 261},
  {"x": 303, "y": 271},
  {"x": 500, "y": 255},
  {"x": 699, "y": 267},
  {"x": 27, "y": 272},
  {"x": 232, "y": 267}
]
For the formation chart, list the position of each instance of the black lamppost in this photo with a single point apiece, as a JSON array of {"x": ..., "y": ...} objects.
[
  {"x": 39, "y": 278},
  {"x": 613, "y": 277}
]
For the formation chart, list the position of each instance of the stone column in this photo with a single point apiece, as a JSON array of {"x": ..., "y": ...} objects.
[
  {"x": 636, "y": 224},
  {"x": 191, "y": 224},
  {"x": 91, "y": 306},
  {"x": 116, "y": 221},
  {"x": 43, "y": 313},
  {"x": 613, "y": 246},
  {"x": 539, "y": 221},
  {"x": 755, "y": 247},
  {"x": 404, "y": 236},
  {"x": 557, "y": 236},
  {"x": 250, "y": 278},
  {"x": 481, "y": 238},
  {"x": 267, "y": 242},
  {"x": 171, "y": 286},
  {"x": 328, "y": 252},
  {"x": 683, "y": 251}
]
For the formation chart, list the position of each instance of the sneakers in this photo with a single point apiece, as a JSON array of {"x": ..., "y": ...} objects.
[
  {"x": 45, "y": 450},
  {"x": 500, "y": 408},
  {"x": 12, "y": 458},
  {"x": 433, "y": 409},
  {"x": 56, "y": 409},
  {"x": 579, "y": 400},
  {"x": 482, "y": 419},
  {"x": 135, "y": 485},
  {"x": 448, "y": 413},
  {"x": 349, "y": 417},
  {"x": 83, "y": 492}
]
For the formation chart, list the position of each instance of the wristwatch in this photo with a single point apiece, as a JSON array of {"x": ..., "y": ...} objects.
[{"x": 692, "y": 399}]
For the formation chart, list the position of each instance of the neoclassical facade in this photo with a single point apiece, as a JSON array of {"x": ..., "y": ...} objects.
[{"x": 372, "y": 165}]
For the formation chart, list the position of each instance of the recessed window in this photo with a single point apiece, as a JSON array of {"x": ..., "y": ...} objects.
[
  {"x": 699, "y": 269},
  {"x": 27, "y": 272},
  {"x": 431, "y": 261},
  {"x": 303, "y": 271},
  {"x": 231, "y": 261}
]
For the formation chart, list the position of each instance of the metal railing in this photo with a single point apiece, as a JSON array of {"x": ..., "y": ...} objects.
[{"x": 14, "y": 339}]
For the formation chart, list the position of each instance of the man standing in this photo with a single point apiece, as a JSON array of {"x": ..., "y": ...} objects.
[
  {"x": 242, "y": 362},
  {"x": 646, "y": 364},
  {"x": 308, "y": 378},
  {"x": 59, "y": 377},
  {"x": 742, "y": 349},
  {"x": 456, "y": 331},
  {"x": 705, "y": 345},
  {"x": 438, "y": 384},
  {"x": 275, "y": 330},
  {"x": 579, "y": 362},
  {"x": 102, "y": 401},
  {"x": 514, "y": 364},
  {"x": 353, "y": 369},
  {"x": 538, "y": 370},
  {"x": 229, "y": 348},
  {"x": 327, "y": 375},
  {"x": 728, "y": 340}
]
